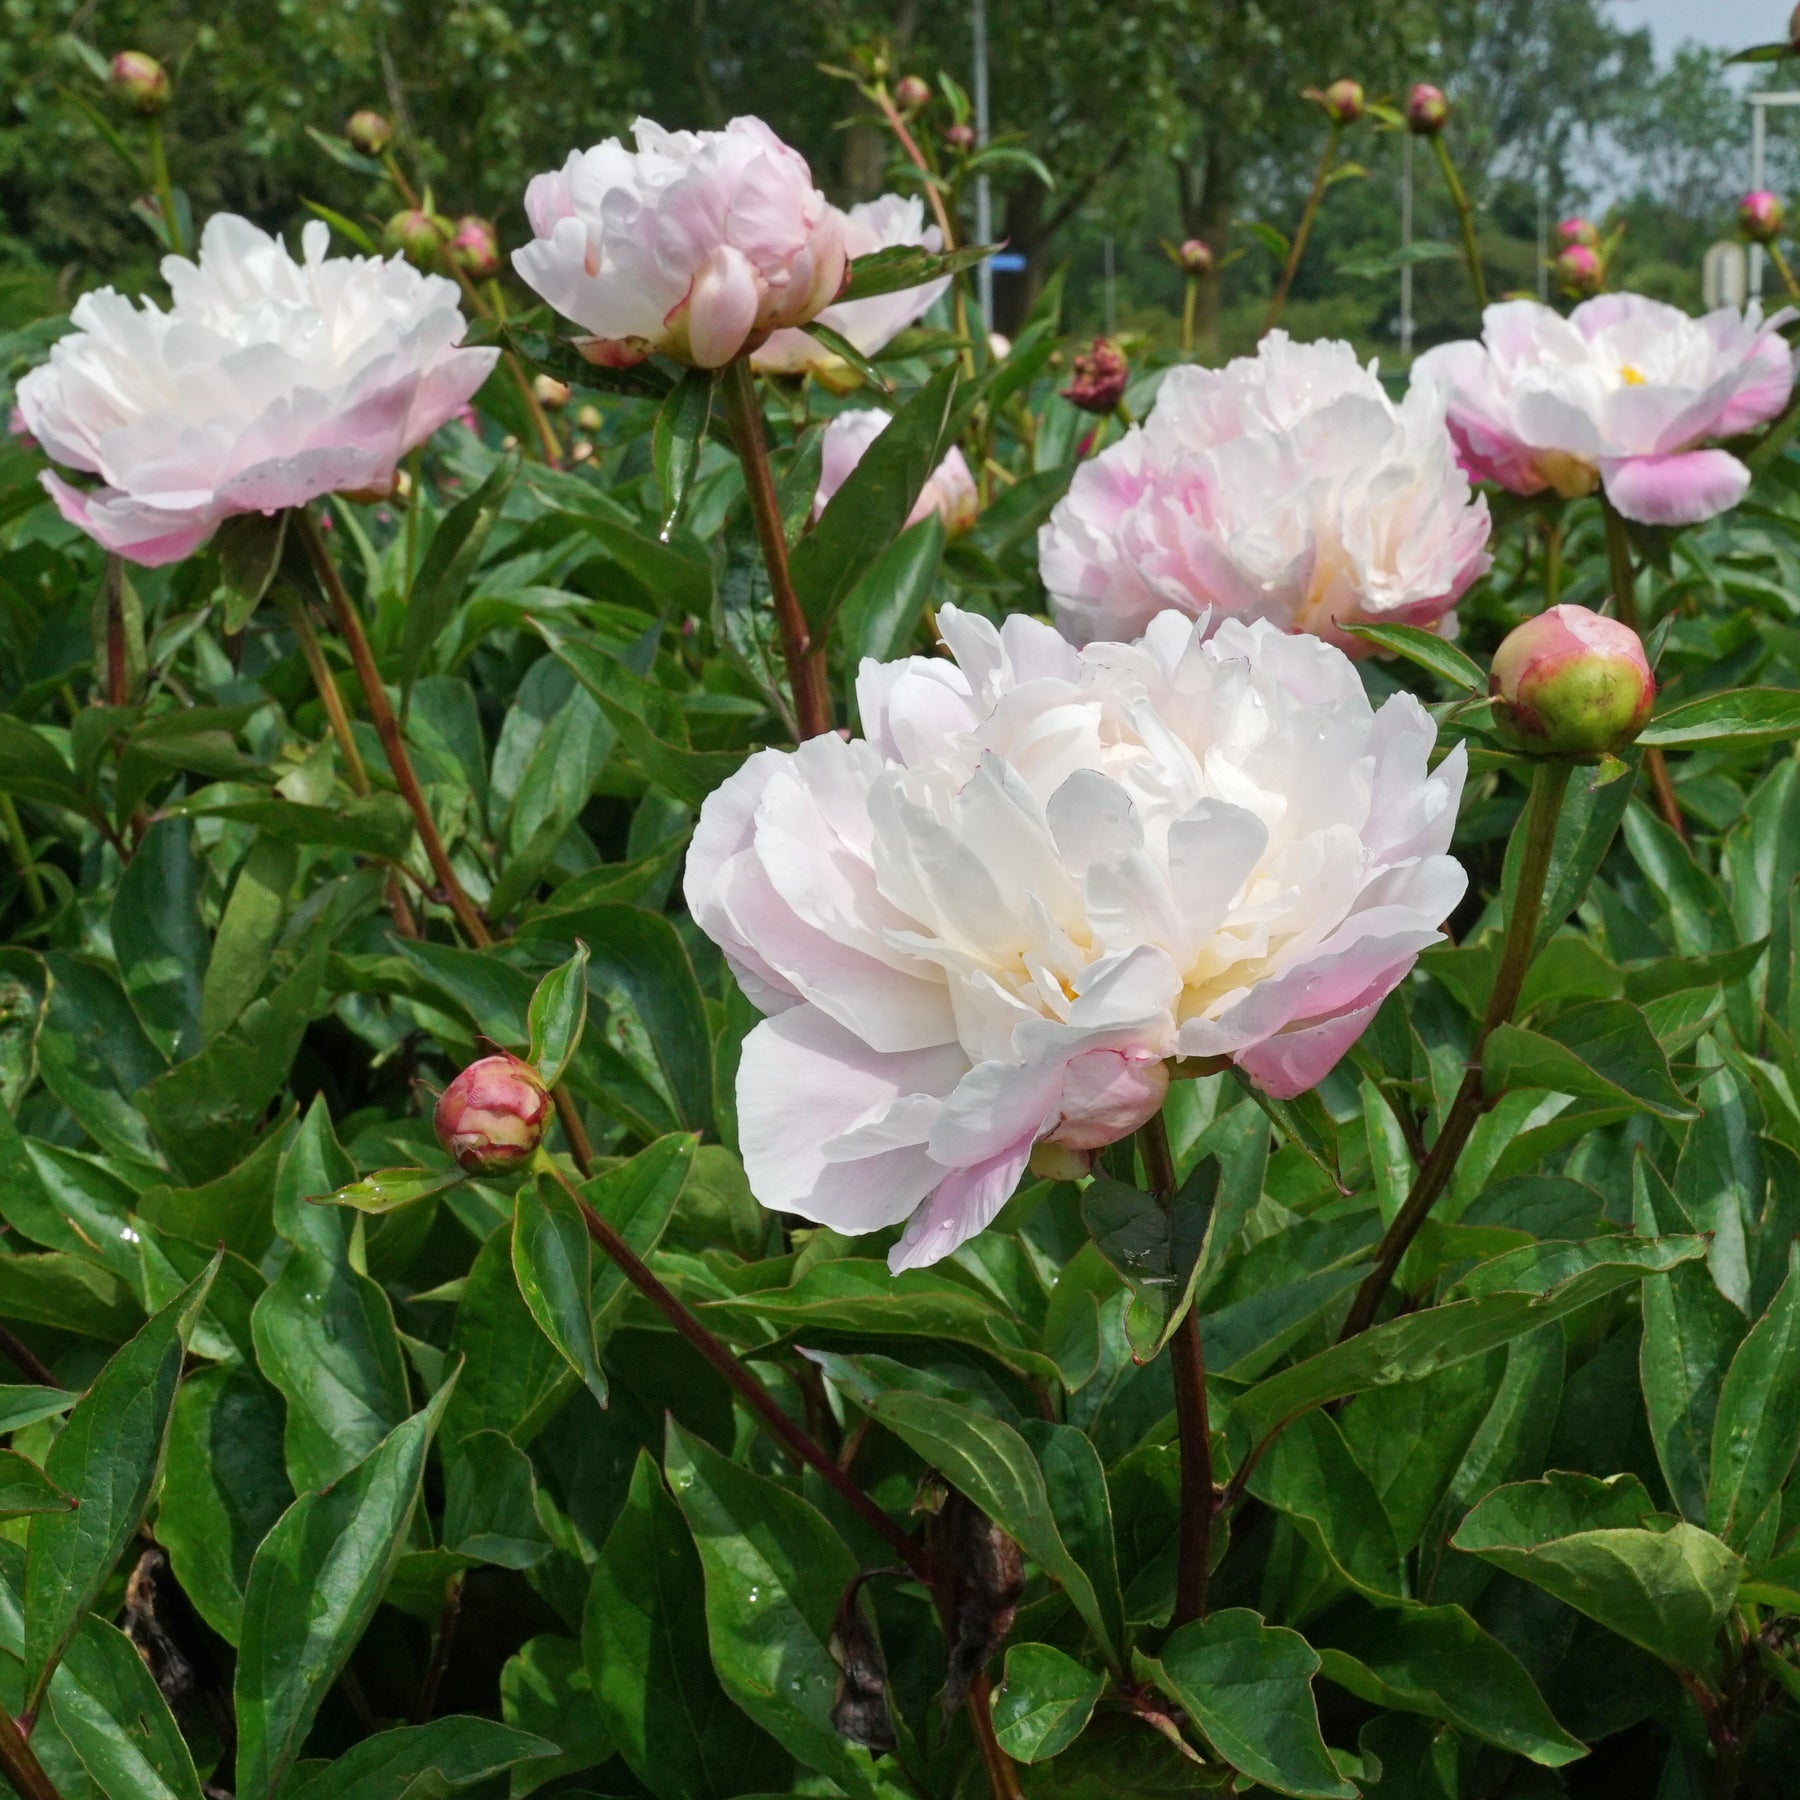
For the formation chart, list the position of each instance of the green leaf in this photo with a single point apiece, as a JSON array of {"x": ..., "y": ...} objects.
[
  {"x": 555, "y": 356},
  {"x": 387, "y": 1190},
  {"x": 1080, "y": 1503},
  {"x": 1043, "y": 1703},
  {"x": 1513, "y": 1295},
  {"x": 158, "y": 938},
  {"x": 1599, "y": 1547},
  {"x": 247, "y": 933},
  {"x": 1740, "y": 718},
  {"x": 314, "y": 1585},
  {"x": 1248, "y": 1687},
  {"x": 381, "y": 825},
  {"x": 553, "y": 1262},
  {"x": 460, "y": 1750},
  {"x": 678, "y": 439},
  {"x": 1597, "y": 1050},
  {"x": 249, "y": 551},
  {"x": 443, "y": 578},
  {"x": 1585, "y": 829},
  {"x": 644, "y": 1635},
  {"x": 1437, "y": 1661},
  {"x": 1431, "y": 652},
  {"x": 94, "y": 1056},
  {"x": 32, "y": 768},
  {"x": 490, "y": 1503},
  {"x": 544, "y": 1688},
  {"x": 25, "y": 1488},
  {"x": 846, "y": 352},
  {"x": 225, "y": 1483},
  {"x": 903, "y": 266},
  {"x": 22, "y": 1406},
  {"x": 558, "y": 1012},
  {"x": 108, "y": 1456},
  {"x": 324, "y": 1331},
  {"x": 994, "y": 1467},
  {"x": 870, "y": 509},
  {"x": 637, "y": 1199},
  {"x": 775, "y": 1570},
  {"x": 513, "y": 1379},
  {"x": 881, "y": 613},
  {"x": 1756, "y": 1433}
]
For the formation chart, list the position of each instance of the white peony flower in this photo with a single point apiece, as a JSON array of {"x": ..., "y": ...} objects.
[
  {"x": 949, "y": 490},
  {"x": 872, "y": 324},
  {"x": 267, "y": 383},
  {"x": 1285, "y": 486},
  {"x": 697, "y": 244},
  {"x": 1043, "y": 873},
  {"x": 1621, "y": 394}
]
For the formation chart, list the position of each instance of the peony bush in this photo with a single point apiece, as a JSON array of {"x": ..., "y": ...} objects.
[{"x": 753, "y": 1046}]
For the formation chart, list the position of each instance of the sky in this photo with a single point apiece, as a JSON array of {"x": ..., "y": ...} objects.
[{"x": 1726, "y": 24}]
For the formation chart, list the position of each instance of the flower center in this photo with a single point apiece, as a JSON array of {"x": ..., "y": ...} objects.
[{"x": 1630, "y": 376}]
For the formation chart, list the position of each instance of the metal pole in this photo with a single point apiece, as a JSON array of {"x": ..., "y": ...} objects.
[
  {"x": 1758, "y": 126},
  {"x": 984, "y": 197},
  {"x": 1406, "y": 230}
]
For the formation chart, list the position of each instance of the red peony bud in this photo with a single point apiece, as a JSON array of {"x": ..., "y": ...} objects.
[
  {"x": 493, "y": 1115},
  {"x": 1572, "y": 683},
  {"x": 1761, "y": 216},
  {"x": 1343, "y": 102},
  {"x": 141, "y": 82},
  {"x": 1426, "y": 110},
  {"x": 1195, "y": 257},
  {"x": 911, "y": 92},
  {"x": 368, "y": 132},
  {"x": 474, "y": 248},
  {"x": 1579, "y": 271},
  {"x": 421, "y": 237},
  {"x": 1581, "y": 231},
  {"x": 1100, "y": 377},
  {"x": 960, "y": 137}
]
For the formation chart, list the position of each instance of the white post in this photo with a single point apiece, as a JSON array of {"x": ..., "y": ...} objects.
[
  {"x": 1406, "y": 230},
  {"x": 1758, "y": 126},
  {"x": 1543, "y": 233},
  {"x": 984, "y": 197}
]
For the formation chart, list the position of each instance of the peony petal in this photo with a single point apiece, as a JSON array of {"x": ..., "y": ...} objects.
[
  {"x": 966, "y": 1202},
  {"x": 721, "y": 307},
  {"x": 1675, "y": 490}
]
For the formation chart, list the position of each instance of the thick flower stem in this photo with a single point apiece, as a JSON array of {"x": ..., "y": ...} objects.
[
  {"x": 1189, "y": 301},
  {"x": 1549, "y": 782},
  {"x": 1782, "y": 269},
  {"x": 19, "y": 1763},
  {"x": 1624, "y": 587},
  {"x": 118, "y": 670},
  {"x": 165, "y": 190},
  {"x": 20, "y": 846},
  {"x": 1302, "y": 231},
  {"x": 805, "y": 660},
  {"x": 387, "y": 727},
  {"x": 748, "y": 1388},
  {"x": 331, "y": 696},
  {"x": 1465, "y": 215},
  {"x": 1187, "y": 1363}
]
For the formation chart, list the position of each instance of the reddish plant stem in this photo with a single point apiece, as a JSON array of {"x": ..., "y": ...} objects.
[
  {"x": 19, "y": 1763},
  {"x": 805, "y": 660},
  {"x": 1302, "y": 231}
]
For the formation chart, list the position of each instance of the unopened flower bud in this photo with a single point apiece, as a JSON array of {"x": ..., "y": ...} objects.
[
  {"x": 588, "y": 417},
  {"x": 1572, "y": 683},
  {"x": 1760, "y": 216},
  {"x": 421, "y": 237},
  {"x": 1100, "y": 377},
  {"x": 474, "y": 249},
  {"x": 368, "y": 132},
  {"x": 1426, "y": 110},
  {"x": 960, "y": 137},
  {"x": 1577, "y": 230},
  {"x": 1195, "y": 257},
  {"x": 551, "y": 394},
  {"x": 493, "y": 1115},
  {"x": 1579, "y": 272},
  {"x": 912, "y": 92},
  {"x": 580, "y": 450},
  {"x": 141, "y": 82},
  {"x": 1343, "y": 102}
]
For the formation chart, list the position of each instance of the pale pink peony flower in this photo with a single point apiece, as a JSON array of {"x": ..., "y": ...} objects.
[
  {"x": 872, "y": 324},
  {"x": 268, "y": 383},
  {"x": 1620, "y": 395},
  {"x": 696, "y": 244},
  {"x": 1285, "y": 486},
  {"x": 1043, "y": 873},
  {"x": 949, "y": 490}
]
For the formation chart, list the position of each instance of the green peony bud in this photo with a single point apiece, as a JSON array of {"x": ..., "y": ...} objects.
[{"x": 1572, "y": 683}]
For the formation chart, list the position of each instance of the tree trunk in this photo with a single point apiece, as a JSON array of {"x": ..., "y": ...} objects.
[{"x": 1023, "y": 228}]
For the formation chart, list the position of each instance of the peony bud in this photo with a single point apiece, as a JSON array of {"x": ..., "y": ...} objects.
[
  {"x": 960, "y": 137},
  {"x": 1579, "y": 272},
  {"x": 1426, "y": 110},
  {"x": 1760, "y": 216},
  {"x": 141, "y": 82},
  {"x": 551, "y": 394},
  {"x": 493, "y": 1115},
  {"x": 368, "y": 132},
  {"x": 1578, "y": 230},
  {"x": 588, "y": 418},
  {"x": 911, "y": 92},
  {"x": 1100, "y": 377},
  {"x": 474, "y": 249},
  {"x": 1195, "y": 257},
  {"x": 1572, "y": 682},
  {"x": 421, "y": 237},
  {"x": 1343, "y": 102}
]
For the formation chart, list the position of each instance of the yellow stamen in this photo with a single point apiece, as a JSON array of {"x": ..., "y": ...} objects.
[{"x": 1630, "y": 376}]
